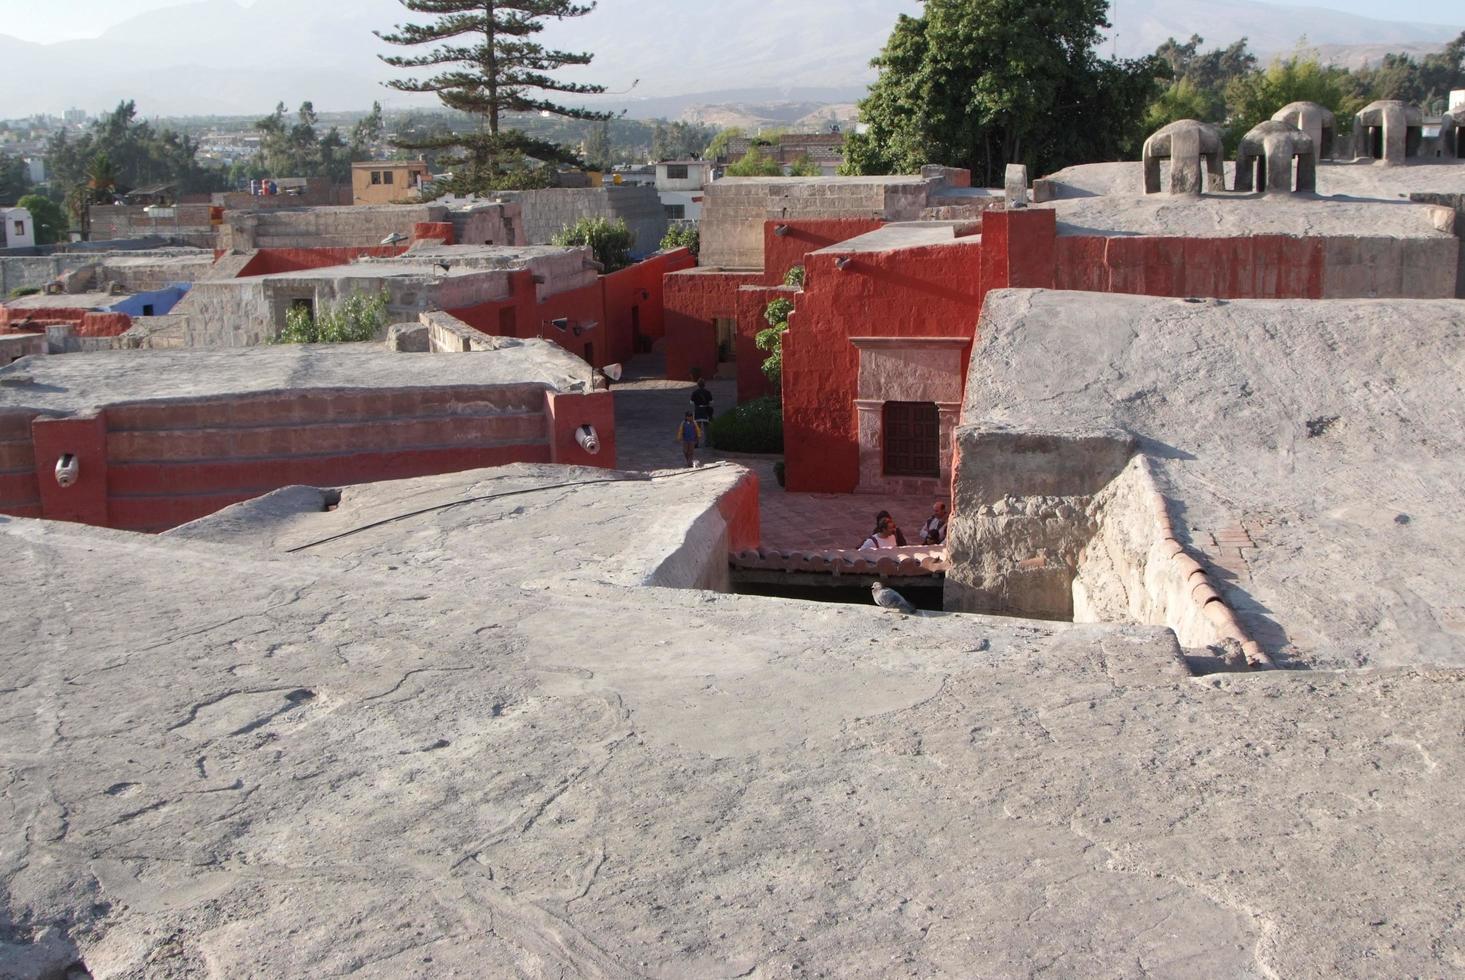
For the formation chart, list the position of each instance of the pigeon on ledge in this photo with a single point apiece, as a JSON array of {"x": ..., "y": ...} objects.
[{"x": 891, "y": 599}]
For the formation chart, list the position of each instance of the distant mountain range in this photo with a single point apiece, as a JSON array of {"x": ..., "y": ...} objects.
[{"x": 216, "y": 57}]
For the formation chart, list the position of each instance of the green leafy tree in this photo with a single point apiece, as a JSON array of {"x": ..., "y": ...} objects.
[
  {"x": 367, "y": 133},
  {"x": 101, "y": 179},
  {"x": 1253, "y": 98},
  {"x": 804, "y": 166},
  {"x": 140, "y": 155},
  {"x": 15, "y": 180},
  {"x": 488, "y": 65},
  {"x": 1180, "y": 101},
  {"x": 985, "y": 83},
  {"x": 356, "y": 319},
  {"x": 611, "y": 241},
  {"x": 682, "y": 236},
  {"x": 794, "y": 277},
  {"x": 677, "y": 140},
  {"x": 1426, "y": 82},
  {"x": 49, "y": 219},
  {"x": 717, "y": 147},
  {"x": 770, "y": 338},
  {"x": 755, "y": 163},
  {"x": 597, "y": 148},
  {"x": 1199, "y": 80}
]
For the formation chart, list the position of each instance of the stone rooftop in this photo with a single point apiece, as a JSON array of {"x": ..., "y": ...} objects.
[
  {"x": 1346, "y": 179},
  {"x": 222, "y": 759},
  {"x": 78, "y": 383},
  {"x": 897, "y": 235},
  {"x": 1314, "y": 451},
  {"x": 1235, "y": 215},
  {"x": 592, "y": 520},
  {"x": 70, "y": 301},
  {"x": 479, "y": 256}
]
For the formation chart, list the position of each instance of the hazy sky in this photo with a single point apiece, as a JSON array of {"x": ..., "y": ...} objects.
[{"x": 44, "y": 21}]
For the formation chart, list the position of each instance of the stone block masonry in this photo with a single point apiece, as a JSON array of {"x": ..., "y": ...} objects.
[{"x": 548, "y": 211}]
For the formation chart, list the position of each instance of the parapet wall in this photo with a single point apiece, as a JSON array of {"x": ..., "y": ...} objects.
[
  {"x": 548, "y": 211},
  {"x": 734, "y": 210},
  {"x": 149, "y": 466},
  {"x": 344, "y": 227},
  {"x": 191, "y": 224}
]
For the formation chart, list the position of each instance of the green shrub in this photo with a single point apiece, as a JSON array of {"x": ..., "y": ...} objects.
[
  {"x": 683, "y": 236},
  {"x": 755, "y": 163},
  {"x": 359, "y": 317},
  {"x": 794, "y": 277},
  {"x": 770, "y": 338},
  {"x": 610, "y": 240},
  {"x": 753, "y": 427},
  {"x": 20, "y": 291}
]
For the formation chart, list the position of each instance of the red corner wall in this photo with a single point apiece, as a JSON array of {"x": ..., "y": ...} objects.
[
  {"x": 802, "y": 236},
  {"x": 566, "y": 412},
  {"x": 932, "y": 291}
]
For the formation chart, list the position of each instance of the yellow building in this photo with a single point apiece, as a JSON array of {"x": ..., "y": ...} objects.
[{"x": 385, "y": 181}]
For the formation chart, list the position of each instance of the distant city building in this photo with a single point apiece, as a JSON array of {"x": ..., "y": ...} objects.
[
  {"x": 826, "y": 150},
  {"x": 679, "y": 184},
  {"x": 631, "y": 177},
  {"x": 75, "y": 117},
  {"x": 17, "y": 228},
  {"x": 386, "y": 181}
]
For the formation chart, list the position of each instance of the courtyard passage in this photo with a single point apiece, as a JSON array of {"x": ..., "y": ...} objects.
[{"x": 648, "y": 408}]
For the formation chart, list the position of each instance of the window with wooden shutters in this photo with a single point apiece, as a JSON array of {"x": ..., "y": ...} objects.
[{"x": 912, "y": 439}]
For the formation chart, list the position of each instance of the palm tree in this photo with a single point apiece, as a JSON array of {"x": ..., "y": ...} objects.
[{"x": 101, "y": 179}]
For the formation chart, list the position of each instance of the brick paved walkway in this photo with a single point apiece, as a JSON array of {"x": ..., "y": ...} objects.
[{"x": 648, "y": 409}]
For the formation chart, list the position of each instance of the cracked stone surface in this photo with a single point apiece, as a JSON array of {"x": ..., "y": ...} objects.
[
  {"x": 1312, "y": 451},
  {"x": 69, "y": 385},
  {"x": 219, "y": 759}
]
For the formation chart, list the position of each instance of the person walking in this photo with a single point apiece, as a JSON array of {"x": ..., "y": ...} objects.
[
  {"x": 702, "y": 403},
  {"x": 689, "y": 434}
]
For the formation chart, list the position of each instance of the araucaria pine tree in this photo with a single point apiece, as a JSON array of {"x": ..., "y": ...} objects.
[{"x": 491, "y": 67}]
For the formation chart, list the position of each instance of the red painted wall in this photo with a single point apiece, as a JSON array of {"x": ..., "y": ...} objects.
[
  {"x": 752, "y": 301},
  {"x": 782, "y": 252},
  {"x": 616, "y": 303},
  {"x": 268, "y": 261},
  {"x": 739, "y": 508},
  {"x": 83, "y": 437},
  {"x": 104, "y": 325},
  {"x": 694, "y": 299},
  {"x": 150, "y": 466},
  {"x": 20, "y": 493},
  {"x": 37, "y": 317},
  {"x": 933, "y": 291},
  {"x": 1261, "y": 267},
  {"x": 523, "y": 316},
  {"x": 433, "y": 231},
  {"x": 567, "y": 412},
  {"x": 639, "y": 288}
]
